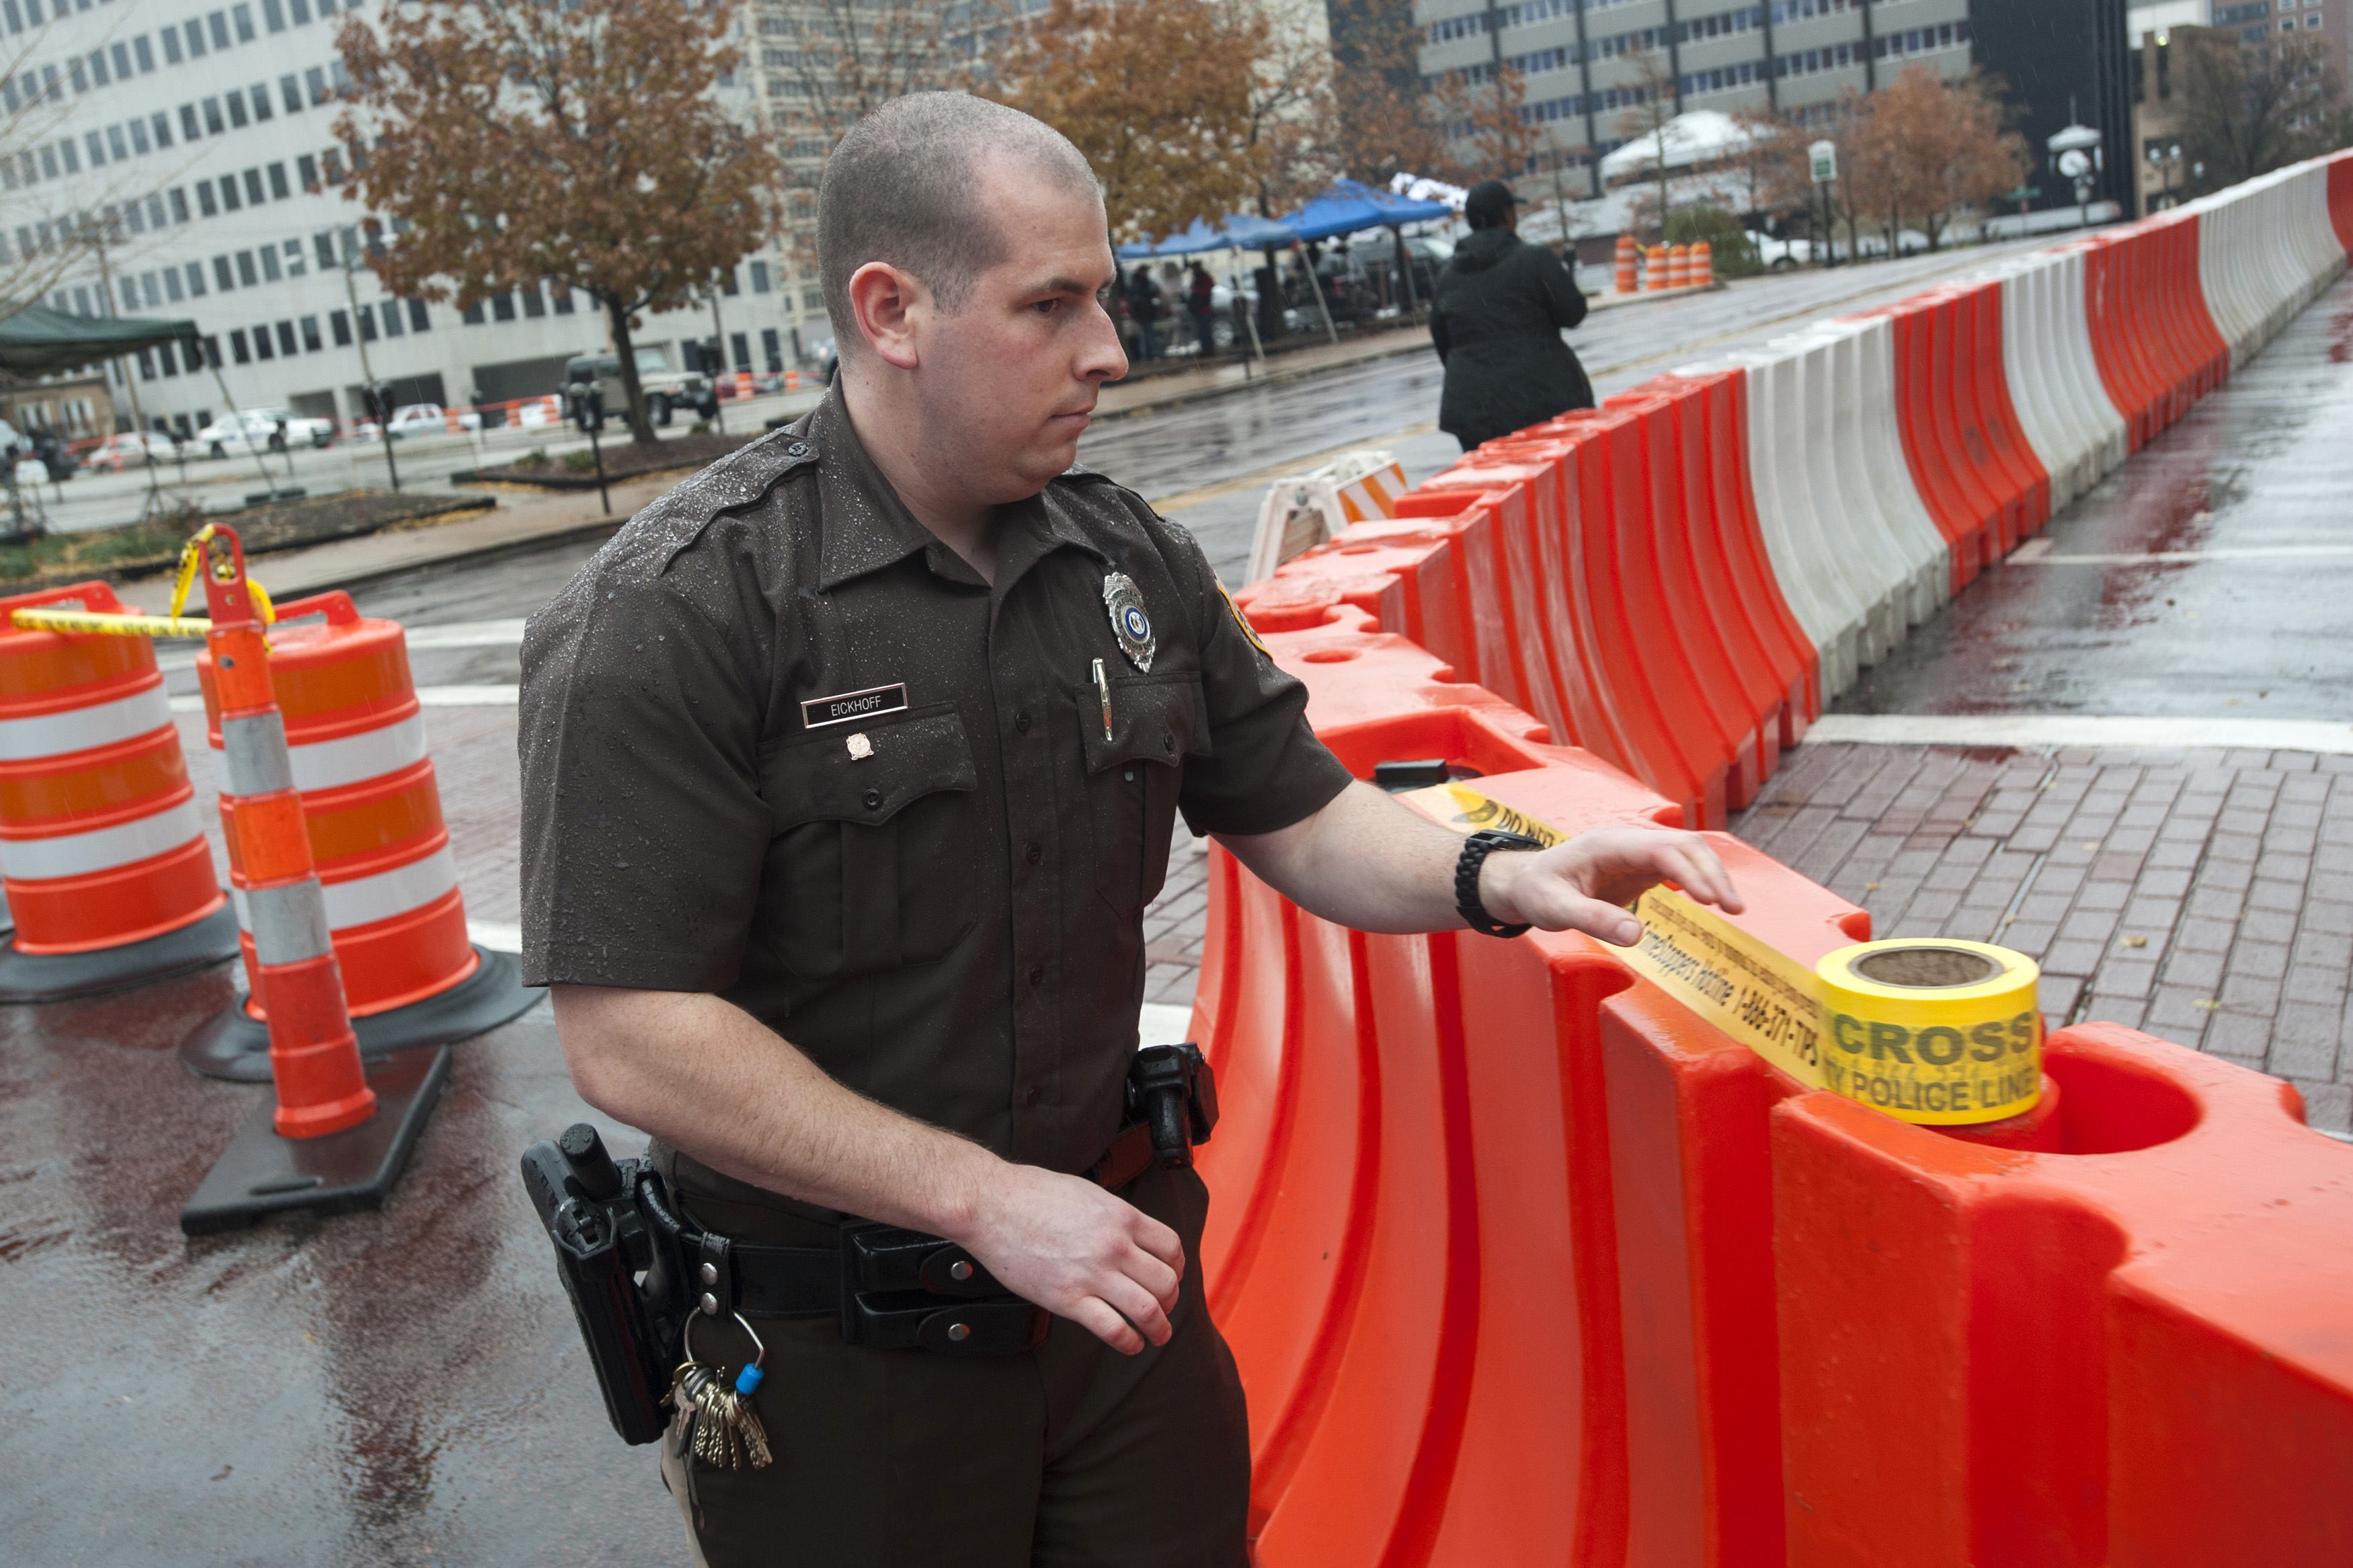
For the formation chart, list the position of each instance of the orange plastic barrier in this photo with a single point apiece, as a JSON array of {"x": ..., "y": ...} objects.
[
  {"x": 1523, "y": 1262},
  {"x": 2340, "y": 200},
  {"x": 373, "y": 809},
  {"x": 2155, "y": 342},
  {"x": 108, "y": 875}
]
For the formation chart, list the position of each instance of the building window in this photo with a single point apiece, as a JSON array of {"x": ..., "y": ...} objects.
[
  {"x": 759, "y": 277},
  {"x": 219, "y": 26},
  {"x": 367, "y": 317},
  {"x": 162, "y": 125},
  {"x": 274, "y": 15},
  {"x": 337, "y": 322},
  {"x": 323, "y": 243},
  {"x": 179, "y": 198},
  {"x": 300, "y": 11},
  {"x": 269, "y": 273},
  {"x": 96, "y": 144},
  {"x": 316, "y": 80},
  {"x": 474, "y": 314},
  {"x": 172, "y": 55},
  {"x": 261, "y": 349},
  {"x": 146, "y": 56},
  {"x": 116, "y": 142},
  {"x": 294, "y": 265},
  {"x": 236, "y": 346},
  {"x": 502, "y": 307},
  {"x": 772, "y": 349},
  {"x": 727, "y": 283},
  {"x": 146, "y": 365},
  {"x": 310, "y": 343},
  {"x": 196, "y": 278},
  {"x": 286, "y": 339},
  {"x": 171, "y": 285},
  {"x": 193, "y": 31},
  {"x": 72, "y": 159},
  {"x": 163, "y": 352},
  {"x": 330, "y": 167},
  {"x": 246, "y": 274},
  {"x": 205, "y": 202},
  {"x": 242, "y": 15},
  {"x": 564, "y": 305},
  {"x": 253, "y": 187},
  {"x": 419, "y": 321},
  {"x": 122, "y": 56},
  {"x": 812, "y": 299},
  {"x": 279, "y": 189},
  {"x": 138, "y": 129},
  {"x": 289, "y": 92},
  {"x": 230, "y": 200},
  {"x": 236, "y": 109},
  {"x": 259, "y": 93},
  {"x": 306, "y": 172},
  {"x": 214, "y": 124}
]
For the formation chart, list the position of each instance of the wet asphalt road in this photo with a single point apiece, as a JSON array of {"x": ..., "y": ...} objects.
[
  {"x": 407, "y": 1386},
  {"x": 2208, "y": 578}
]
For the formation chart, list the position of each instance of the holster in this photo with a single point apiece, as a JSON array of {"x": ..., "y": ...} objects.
[{"x": 636, "y": 1267}]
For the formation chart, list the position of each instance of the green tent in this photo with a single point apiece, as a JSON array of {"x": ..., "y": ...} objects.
[{"x": 38, "y": 341}]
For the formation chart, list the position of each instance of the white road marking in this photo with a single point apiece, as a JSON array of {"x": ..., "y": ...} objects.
[
  {"x": 2046, "y": 731},
  {"x": 2037, "y": 553},
  {"x": 505, "y": 632}
]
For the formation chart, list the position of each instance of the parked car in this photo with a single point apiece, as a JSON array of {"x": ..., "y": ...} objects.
[
  {"x": 1781, "y": 255},
  {"x": 666, "y": 390},
  {"x": 130, "y": 448},
  {"x": 428, "y": 419},
  {"x": 263, "y": 429}
]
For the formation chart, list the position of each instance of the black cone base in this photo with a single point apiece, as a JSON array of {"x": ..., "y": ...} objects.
[
  {"x": 260, "y": 1174},
  {"x": 57, "y": 977},
  {"x": 234, "y": 1045}
]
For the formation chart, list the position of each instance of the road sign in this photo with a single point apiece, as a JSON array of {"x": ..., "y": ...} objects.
[{"x": 1823, "y": 155}]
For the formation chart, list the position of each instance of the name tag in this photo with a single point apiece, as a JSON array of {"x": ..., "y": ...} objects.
[{"x": 843, "y": 707}]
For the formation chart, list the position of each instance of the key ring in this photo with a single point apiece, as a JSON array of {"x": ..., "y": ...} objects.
[{"x": 745, "y": 1381}]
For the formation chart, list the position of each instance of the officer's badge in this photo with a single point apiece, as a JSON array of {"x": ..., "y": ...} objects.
[{"x": 1124, "y": 604}]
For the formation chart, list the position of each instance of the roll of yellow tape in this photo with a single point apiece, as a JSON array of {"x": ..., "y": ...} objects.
[{"x": 1932, "y": 1029}]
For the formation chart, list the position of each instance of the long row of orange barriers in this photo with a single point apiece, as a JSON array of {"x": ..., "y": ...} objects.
[{"x": 1524, "y": 1263}]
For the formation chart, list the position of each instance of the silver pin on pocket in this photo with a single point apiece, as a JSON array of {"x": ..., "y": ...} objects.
[{"x": 860, "y": 748}]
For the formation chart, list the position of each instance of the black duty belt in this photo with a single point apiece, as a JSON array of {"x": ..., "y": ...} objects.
[{"x": 638, "y": 1270}]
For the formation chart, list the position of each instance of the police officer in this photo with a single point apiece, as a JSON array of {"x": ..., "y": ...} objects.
[{"x": 848, "y": 768}]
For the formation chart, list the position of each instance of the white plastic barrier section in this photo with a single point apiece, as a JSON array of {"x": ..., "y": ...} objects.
[
  {"x": 1893, "y": 497},
  {"x": 1830, "y": 603},
  {"x": 1900, "y": 569},
  {"x": 2046, "y": 353},
  {"x": 1303, "y": 512}
]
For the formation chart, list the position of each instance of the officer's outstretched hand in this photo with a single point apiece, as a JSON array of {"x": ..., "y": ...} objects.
[
  {"x": 1586, "y": 883},
  {"x": 1074, "y": 1249}
]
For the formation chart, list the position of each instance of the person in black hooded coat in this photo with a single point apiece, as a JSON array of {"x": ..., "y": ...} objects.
[{"x": 1500, "y": 308}]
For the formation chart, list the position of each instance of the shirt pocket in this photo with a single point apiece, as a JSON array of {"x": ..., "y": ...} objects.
[
  {"x": 875, "y": 859},
  {"x": 1134, "y": 764}
]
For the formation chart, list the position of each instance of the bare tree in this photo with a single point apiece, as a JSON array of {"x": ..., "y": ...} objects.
[
  {"x": 1483, "y": 109},
  {"x": 1647, "y": 117},
  {"x": 2251, "y": 109},
  {"x": 1383, "y": 124}
]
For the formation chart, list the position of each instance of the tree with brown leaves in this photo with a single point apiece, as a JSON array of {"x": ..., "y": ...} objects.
[
  {"x": 1158, "y": 97},
  {"x": 1930, "y": 150},
  {"x": 1382, "y": 123},
  {"x": 509, "y": 141}
]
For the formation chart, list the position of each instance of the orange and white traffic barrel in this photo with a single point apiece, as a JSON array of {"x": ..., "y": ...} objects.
[
  {"x": 1625, "y": 278},
  {"x": 1654, "y": 270},
  {"x": 373, "y": 807},
  {"x": 1678, "y": 265},
  {"x": 101, "y": 845}
]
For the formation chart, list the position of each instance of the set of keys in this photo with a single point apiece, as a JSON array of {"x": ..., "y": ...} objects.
[{"x": 719, "y": 1425}]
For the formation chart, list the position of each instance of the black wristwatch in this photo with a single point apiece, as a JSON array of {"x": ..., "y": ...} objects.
[{"x": 1476, "y": 850}]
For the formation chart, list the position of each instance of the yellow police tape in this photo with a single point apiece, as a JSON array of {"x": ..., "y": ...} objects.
[
  {"x": 1930, "y": 1030},
  {"x": 101, "y": 623}
]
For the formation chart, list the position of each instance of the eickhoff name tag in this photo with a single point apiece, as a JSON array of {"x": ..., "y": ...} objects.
[{"x": 843, "y": 707}]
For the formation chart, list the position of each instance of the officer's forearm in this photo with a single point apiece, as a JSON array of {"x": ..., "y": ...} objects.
[
  {"x": 1363, "y": 862},
  {"x": 709, "y": 1080}
]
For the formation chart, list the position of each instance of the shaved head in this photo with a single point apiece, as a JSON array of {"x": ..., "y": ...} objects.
[{"x": 903, "y": 188}]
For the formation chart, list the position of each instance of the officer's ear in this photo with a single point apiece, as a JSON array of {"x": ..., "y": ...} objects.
[{"x": 891, "y": 305}]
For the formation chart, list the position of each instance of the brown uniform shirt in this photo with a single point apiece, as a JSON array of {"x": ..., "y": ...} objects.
[{"x": 781, "y": 744}]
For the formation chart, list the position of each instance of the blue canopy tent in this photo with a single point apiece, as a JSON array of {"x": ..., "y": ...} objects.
[{"x": 1239, "y": 231}]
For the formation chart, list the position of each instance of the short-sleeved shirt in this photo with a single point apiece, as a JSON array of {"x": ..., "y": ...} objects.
[{"x": 781, "y": 744}]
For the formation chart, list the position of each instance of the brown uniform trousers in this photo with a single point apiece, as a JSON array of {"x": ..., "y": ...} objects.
[{"x": 1071, "y": 1455}]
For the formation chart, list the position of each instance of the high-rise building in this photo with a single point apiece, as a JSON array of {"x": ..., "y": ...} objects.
[
  {"x": 201, "y": 138},
  {"x": 1584, "y": 63}
]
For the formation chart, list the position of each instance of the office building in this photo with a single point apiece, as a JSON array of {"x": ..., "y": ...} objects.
[
  {"x": 1583, "y": 64},
  {"x": 205, "y": 134}
]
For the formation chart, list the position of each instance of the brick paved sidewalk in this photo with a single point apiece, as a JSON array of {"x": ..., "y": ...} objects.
[{"x": 2203, "y": 896}]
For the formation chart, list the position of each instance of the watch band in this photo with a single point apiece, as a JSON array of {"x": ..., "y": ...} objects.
[{"x": 1476, "y": 850}]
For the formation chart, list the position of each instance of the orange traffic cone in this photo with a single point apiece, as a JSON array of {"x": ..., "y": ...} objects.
[
  {"x": 1678, "y": 266},
  {"x": 108, "y": 876},
  {"x": 1702, "y": 265},
  {"x": 1625, "y": 264},
  {"x": 1654, "y": 270},
  {"x": 322, "y": 1144},
  {"x": 373, "y": 807}
]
